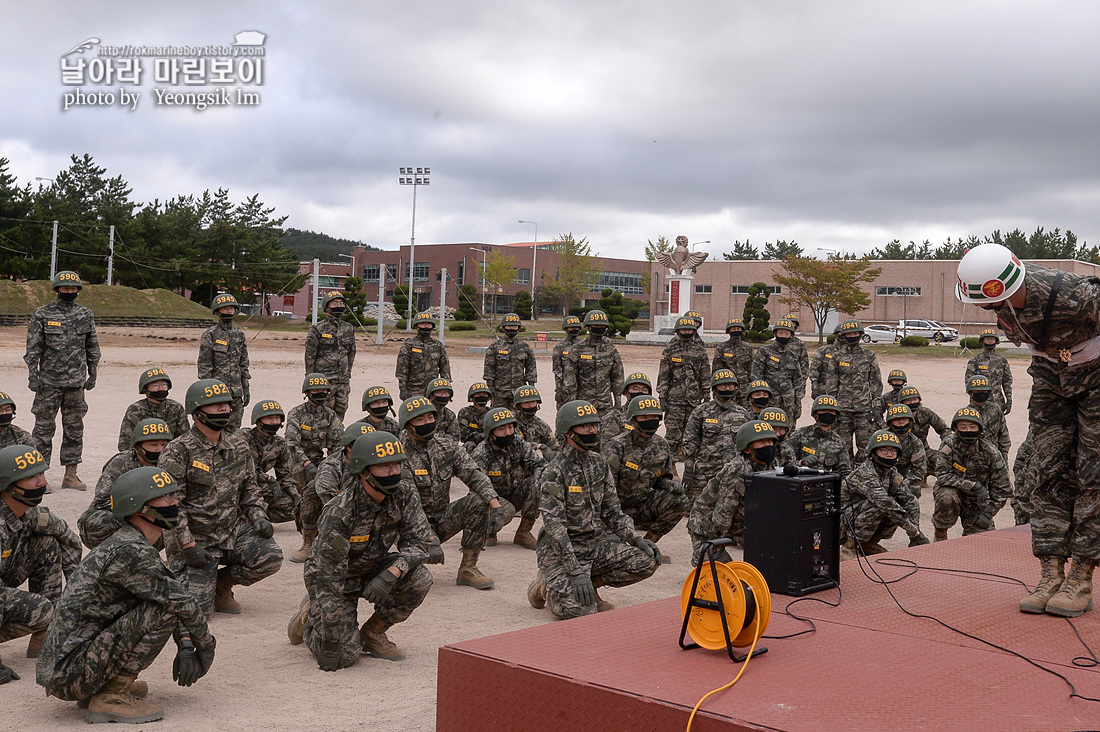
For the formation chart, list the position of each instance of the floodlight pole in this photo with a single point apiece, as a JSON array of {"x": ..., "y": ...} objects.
[
  {"x": 534, "y": 259},
  {"x": 413, "y": 177}
]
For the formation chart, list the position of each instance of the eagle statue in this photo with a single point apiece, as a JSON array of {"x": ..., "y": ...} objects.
[{"x": 680, "y": 259}]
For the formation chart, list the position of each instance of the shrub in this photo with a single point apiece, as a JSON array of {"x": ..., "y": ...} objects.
[
  {"x": 830, "y": 339},
  {"x": 756, "y": 336},
  {"x": 915, "y": 341},
  {"x": 368, "y": 321},
  {"x": 973, "y": 342},
  {"x": 461, "y": 326},
  {"x": 401, "y": 324}
]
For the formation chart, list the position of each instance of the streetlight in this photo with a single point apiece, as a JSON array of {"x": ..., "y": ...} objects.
[
  {"x": 481, "y": 277},
  {"x": 534, "y": 258},
  {"x": 413, "y": 177},
  {"x": 53, "y": 247}
]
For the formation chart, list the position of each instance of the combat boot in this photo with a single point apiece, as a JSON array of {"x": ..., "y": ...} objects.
[
  {"x": 1049, "y": 584},
  {"x": 490, "y": 540},
  {"x": 602, "y": 605},
  {"x": 665, "y": 559},
  {"x": 300, "y": 556},
  {"x": 72, "y": 480},
  {"x": 1075, "y": 596},
  {"x": 871, "y": 548},
  {"x": 523, "y": 536},
  {"x": 35, "y": 646},
  {"x": 848, "y": 549},
  {"x": 468, "y": 573},
  {"x": 224, "y": 602},
  {"x": 375, "y": 642},
  {"x": 536, "y": 592},
  {"x": 138, "y": 690},
  {"x": 297, "y": 625},
  {"x": 940, "y": 535},
  {"x": 116, "y": 702}
]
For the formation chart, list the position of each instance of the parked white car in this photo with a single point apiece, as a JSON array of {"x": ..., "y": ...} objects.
[
  {"x": 879, "y": 334},
  {"x": 929, "y": 329}
]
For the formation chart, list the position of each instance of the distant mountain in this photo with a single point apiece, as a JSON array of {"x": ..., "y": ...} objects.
[{"x": 310, "y": 244}]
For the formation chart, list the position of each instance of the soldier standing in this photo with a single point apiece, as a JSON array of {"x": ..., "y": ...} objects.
[
  {"x": 372, "y": 542},
  {"x": 377, "y": 403},
  {"x": 469, "y": 417},
  {"x": 586, "y": 540},
  {"x": 572, "y": 327},
  {"x": 799, "y": 347},
  {"x": 682, "y": 380},
  {"x": 62, "y": 357},
  {"x": 735, "y": 355},
  {"x": 817, "y": 445},
  {"x": 859, "y": 388},
  {"x": 330, "y": 350},
  {"x": 509, "y": 363},
  {"x": 223, "y": 355},
  {"x": 593, "y": 368},
  {"x": 441, "y": 392},
  {"x": 11, "y": 434},
  {"x": 513, "y": 468},
  {"x": 994, "y": 367},
  {"x": 421, "y": 359},
  {"x": 121, "y": 607},
  {"x": 777, "y": 363},
  {"x": 996, "y": 429},
  {"x": 312, "y": 431},
  {"x": 222, "y": 516},
  {"x": 270, "y": 452},
  {"x": 971, "y": 478},
  {"x": 147, "y": 441},
  {"x": 710, "y": 432},
  {"x": 822, "y": 371},
  {"x": 154, "y": 384},
  {"x": 875, "y": 500}
]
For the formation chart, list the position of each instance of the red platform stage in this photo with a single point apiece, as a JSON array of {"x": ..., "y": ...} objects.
[{"x": 867, "y": 667}]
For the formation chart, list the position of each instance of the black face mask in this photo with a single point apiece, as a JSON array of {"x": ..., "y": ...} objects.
[
  {"x": 764, "y": 454},
  {"x": 504, "y": 441},
  {"x": 647, "y": 426},
  {"x": 735, "y": 335},
  {"x": 530, "y": 411},
  {"x": 425, "y": 431},
  {"x": 912, "y": 407},
  {"x": 148, "y": 455},
  {"x": 588, "y": 442},
  {"x": 968, "y": 437},
  {"x": 384, "y": 484},
  {"x": 166, "y": 517},
  {"x": 157, "y": 395},
  {"x": 885, "y": 462},
  {"x": 995, "y": 307},
  {"x": 317, "y": 399},
  {"x": 216, "y": 422},
  {"x": 441, "y": 402},
  {"x": 378, "y": 412},
  {"x": 572, "y": 332},
  {"x": 761, "y": 401},
  {"x": 5, "y": 419},
  {"x": 782, "y": 340},
  {"x": 597, "y": 330},
  {"x": 852, "y": 339},
  {"x": 899, "y": 431},
  {"x": 686, "y": 336},
  {"x": 981, "y": 396},
  {"x": 724, "y": 395},
  {"x": 480, "y": 401},
  {"x": 30, "y": 496},
  {"x": 337, "y": 312},
  {"x": 825, "y": 418},
  {"x": 67, "y": 297},
  {"x": 227, "y": 317},
  {"x": 511, "y": 333},
  {"x": 989, "y": 346},
  {"x": 270, "y": 429},
  {"x": 424, "y": 333}
]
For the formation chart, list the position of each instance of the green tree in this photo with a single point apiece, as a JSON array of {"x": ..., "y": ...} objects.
[
  {"x": 756, "y": 314},
  {"x": 578, "y": 271},
  {"x": 355, "y": 299},
  {"x": 522, "y": 305},
  {"x": 401, "y": 301},
  {"x": 467, "y": 303},
  {"x": 497, "y": 271},
  {"x": 826, "y": 285},
  {"x": 21, "y": 252},
  {"x": 612, "y": 303},
  {"x": 741, "y": 252},
  {"x": 652, "y": 249},
  {"x": 781, "y": 249}
]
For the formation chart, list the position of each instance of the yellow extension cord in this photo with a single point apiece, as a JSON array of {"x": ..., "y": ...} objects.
[{"x": 710, "y": 693}]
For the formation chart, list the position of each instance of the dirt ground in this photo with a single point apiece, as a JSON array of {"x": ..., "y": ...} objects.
[{"x": 258, "y": 679}]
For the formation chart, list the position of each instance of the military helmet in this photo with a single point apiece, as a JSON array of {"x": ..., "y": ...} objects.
[
  {"x": 793, "y": 318},
  {"x": 723, "y": 376},
  {"x": 413, "y": 407},
  {"x": 136, "y": 487},
  {"x": 849, "y": 326},
  {"x": 735, "y": 323},
  {"x": 151, "y": 376},
  {"x": 576, "y": 412},
  {"x": 204, "y": 392},
  {"x": 977, "y": 383},
  {"x": 267, "y": 408},
  {"x": 526, "y": 393},
  {"x": 883, "y": 438},
  {"x": 783, "y": 324},
  {"x": 478, "y": 387},
  {"x": 510, "y": 320},
  {"x": 637, "y": 378},
  {"x": 223, "y": 300},
  {"x": 439, "y": 384},
  {"x": 570, "y": 321},
  {"x": 497, "y": 418},
  {"x": 18, "y": 462},
  {"x": 6, "y": 399},
  {"x": 423, "y": 318},
  {"x": 908, "y": 392},
  {"x": 66, "y": 279},
  {"x": 825, "y": 403},
  {"x": 898, "y": 411},
  {"x": 374, "y": 448},
  {"x": 989, "y": 333},
  {"x": 595, "y": 317},
  {"x": 988, "y": 273},
  {"x": 896, "y": 374},
  {"x": 758, "y": 385},
  {"x": 695, "y": 315},
  {"x": 752, "y": 431},
  {"x": 686, "y": 323},
  {"x": 150, "y": 429},
  {"x": 353, "y": 432},
  {"x": 776, "y": 417},
  {"x": 644, "y": 405},
  {"x": 337, "y": 295},
  {"x": 374, "y": 393},
  {"x": 968, "y": 414},
  {"x": 315, "y": 382}
]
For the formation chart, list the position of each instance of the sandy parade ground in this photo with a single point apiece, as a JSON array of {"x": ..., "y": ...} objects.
[{"x": 258, "y": 679}]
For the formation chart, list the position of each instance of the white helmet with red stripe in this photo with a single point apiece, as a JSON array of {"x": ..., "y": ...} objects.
[{"x": 988, "y": 273}]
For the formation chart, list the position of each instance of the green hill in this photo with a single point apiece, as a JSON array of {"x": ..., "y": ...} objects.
[{"x": 21, "y": 298}]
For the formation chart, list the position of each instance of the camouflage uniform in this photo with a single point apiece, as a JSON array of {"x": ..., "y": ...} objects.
[
  {"x": 421, "y": 359},
  {"x": 354, "y": 539},
  {"x": 593, "y": 371},
  {"x": 469, "y": 425},
  {"x": 719, "y": 511},
  {"x": 645, "y": 481},
  {"x": 97, "y": 523},
  {"x": 534, "y": 430},
  {"x": 311, "y": 431},
  {"x": 281, "y": 491},
  {"x": 970, "y": 480},
  {"x": 858, "y": 382},
  {"x": 330, "y": 350},
  {"x": 218, "y": 499},
  {"x": 708, "y": 441},
  {"x": 1023, "y": 480},
  {"x": 13, "y": 435},
  {"x": 735, "y": 355},
  {"x": 798, "y": 345},
  {"x": 814, "y": 447},
  {"x": 120, "y": 608},
  {"x": 822, "y": 369},
  {"x": 561, "y": 352},
  {"x": 889, "y": 397},
  {"x": 996, "y": 428},
  {"x": 994, "y": 367},
  {"x": 447, "y": 422},
  {"x": 509, "y": 364},
  {"x": 223, "y": 355},
  {"x": 62, "y": 358},
  {"x": 386, "y": 424},
  {"x": 169, "y": 410},
  {"x": 875, "y": 502},
  {"x": 433, "y": 464},
  {"x": 682, "y": 384},
  {"x": 584, "y": 529},
  {"x": 912, "y": 462},
  {"x": 778, "y": 365},
  {"x": 331, "y": 475},
  {"x": 514, "y": 472}
]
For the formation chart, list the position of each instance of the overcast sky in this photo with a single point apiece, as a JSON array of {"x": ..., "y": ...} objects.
[{"x": 837, "y": 124}]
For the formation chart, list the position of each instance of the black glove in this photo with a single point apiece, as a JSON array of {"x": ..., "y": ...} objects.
[
  {"x": 311, "y": 471},
  {"x": 380, "y": 587},
  {"x": 90, "y": 383},
  {"x": 674, "y": 487},
  {"x": 7, "y": 674},
  {"x": 263, "y": 528},
  {"x": 1008, "y": 408},
  {"x": 32, "y": 384},
  {"x": 582, "y": 587},
  {"x": 648, "y": 547},
  {"x": 435, "y": 553},
  {"x": 197, "y": 557},
  {"x": 689, "y": 476},
  {"x": 918, "y": 540},
  {"x": 984, "y": 521},
  {"x": 247, "y": 397},
  {"x": 186, "y": 669},
  {"x": 205, "y": 653},
  {"x": 329, "y": 657}
]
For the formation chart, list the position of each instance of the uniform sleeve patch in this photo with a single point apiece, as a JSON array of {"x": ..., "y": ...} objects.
[
  {"x": 575, "y": 489},
  {"x": 359, "y": 539},
  {"x": 632, "y": 466},
  {"x": 774, "y": 358},
  {"x": 958, "y": 467},
  {"x": 828, "y": 355},
  {"x": 420, "y": 471},
  {"x": 200, "y": 466}
]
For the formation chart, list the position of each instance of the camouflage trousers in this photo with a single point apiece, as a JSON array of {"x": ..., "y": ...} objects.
[
  {"x": 281, "y": 506},
  {"x": 236, "y": 414},
  {"x": 71, "y": 402},
  {"x": 676, "y": 418},
  {"x": 524, "y": 500},
  {"x": 469, "y": 514},
  {"x": 659, "y": 511},
  {"x": 611, "y": 562},
  {"x": 309, "y": 509},
  {"x": 1065, "y": 501},
  {"x": 43, "y": 562},
  {"x": 859, "y": 424},
  {"x": 96, "y": 526},
  {"x": 251, "y": 559},
  {"x": 953, "y": 505},
  {"x": 337, "y": 399},
  {"x": 22, "y": 613},
  {"x": 127, "y": 645},
  {"x": 865, "y": 522},
  {"x": 408, "y": 592}
]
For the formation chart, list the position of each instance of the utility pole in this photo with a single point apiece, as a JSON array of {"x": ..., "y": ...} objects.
[
  {"x": 442, "y": 303},
  {"x": 111, "y": 259},
  {"x": 316, "y": 282},
  {"x": 413, "y": 177},
  {"x": 53, "y": 253}
]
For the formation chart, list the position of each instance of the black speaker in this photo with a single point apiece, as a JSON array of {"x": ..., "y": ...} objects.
[{"x": 792, "y": 529}]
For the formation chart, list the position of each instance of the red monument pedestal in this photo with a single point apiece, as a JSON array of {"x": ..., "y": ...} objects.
[{"x": 868, "y": 666}]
